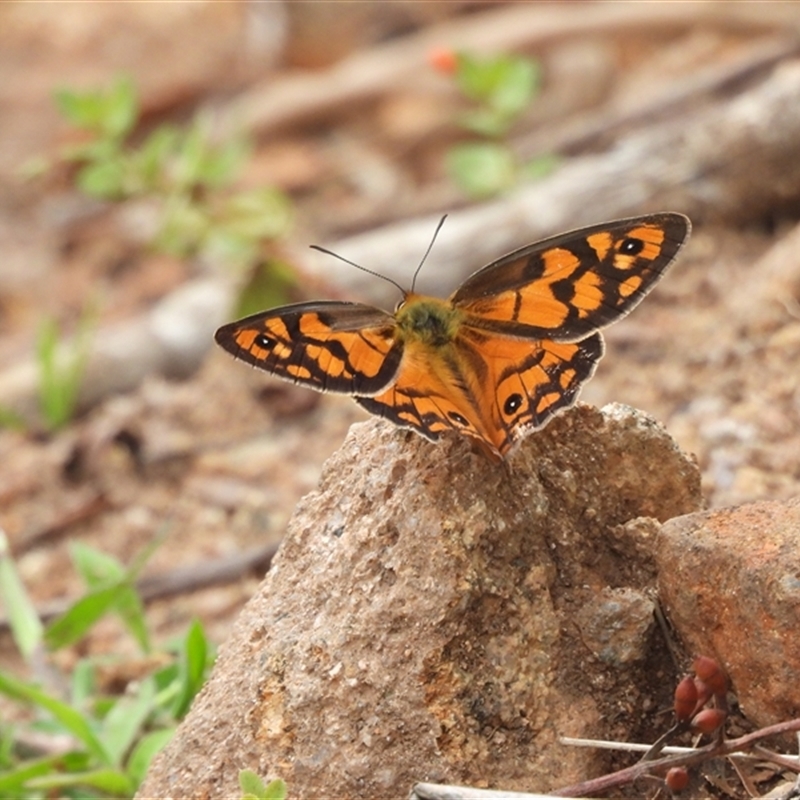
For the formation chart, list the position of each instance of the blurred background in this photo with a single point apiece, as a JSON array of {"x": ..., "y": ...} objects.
[{"x": 165, "y": 167}]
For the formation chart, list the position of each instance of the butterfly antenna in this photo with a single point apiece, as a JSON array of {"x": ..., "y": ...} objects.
[
  {"x": 427, "y": 252},
  {"x": 358, "y": 266}
]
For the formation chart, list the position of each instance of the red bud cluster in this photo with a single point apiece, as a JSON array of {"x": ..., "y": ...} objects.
[
  {"x": 692, "y": 693},
  {"x": 691, "y": 696}
]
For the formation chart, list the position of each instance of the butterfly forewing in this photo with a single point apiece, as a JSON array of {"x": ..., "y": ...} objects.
[
  {"x": 337, "y": 347},
  {"x": 568, "y": 286}
]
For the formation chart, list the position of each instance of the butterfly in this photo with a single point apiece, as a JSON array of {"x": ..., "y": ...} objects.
[{"x": 510, "y": 348}]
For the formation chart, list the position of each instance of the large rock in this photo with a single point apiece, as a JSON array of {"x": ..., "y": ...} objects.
[
  {"x": 730, "y": 580},
  {"x": 425, "y": 618}
]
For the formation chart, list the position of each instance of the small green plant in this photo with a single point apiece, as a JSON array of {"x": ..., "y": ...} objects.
[
  {"x": 253, "y": 787},
  {"x": 100, "y": 744},
  {"x": 499, "y": 89},
  {"x": 184, "y": 172},
  {"x": 61, "y": 369}
]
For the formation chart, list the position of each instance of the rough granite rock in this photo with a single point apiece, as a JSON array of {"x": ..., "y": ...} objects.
[
  {"x": 730, "y": 580},
  {"x": 420, "y": 622}
]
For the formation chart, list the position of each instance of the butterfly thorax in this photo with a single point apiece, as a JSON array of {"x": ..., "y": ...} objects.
[{"x": 428, "y": 320}]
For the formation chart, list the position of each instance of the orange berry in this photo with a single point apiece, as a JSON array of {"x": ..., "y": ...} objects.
[{"x": 444, "y": 60}]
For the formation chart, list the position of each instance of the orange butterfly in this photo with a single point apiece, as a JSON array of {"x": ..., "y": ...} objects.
[{"x": 497, "y": 359}]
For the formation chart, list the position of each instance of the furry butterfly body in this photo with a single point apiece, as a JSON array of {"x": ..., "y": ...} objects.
[{"x": 510, "y": 348}]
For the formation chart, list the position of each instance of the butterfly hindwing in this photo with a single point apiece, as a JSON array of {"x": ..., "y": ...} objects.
[
  {"x": 568, "y": 286},
  {"x": 331, "y": 346},
  {"x": 495, "y": 390},
  {"x": 530, "y": 391}
]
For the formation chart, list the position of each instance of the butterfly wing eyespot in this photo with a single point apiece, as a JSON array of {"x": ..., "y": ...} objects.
[
  {"x": 263, "y": 341},
  {"x": 631, "y": 247},
  {"x": 512, "y": 403},
  {"x": 330, "y": 346}
]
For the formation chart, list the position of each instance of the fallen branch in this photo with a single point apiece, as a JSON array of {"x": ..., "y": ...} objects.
[{"x": 307, "y": 97}]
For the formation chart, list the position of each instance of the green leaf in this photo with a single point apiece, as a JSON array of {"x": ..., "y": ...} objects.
[
  {"x": 475, "y": 76},
  {"x": 131, "y": 610},
  {"x": 258, "y": 214},
  {"x": 108, "y": 114},
  {"x": 506, "y": 80},
  {"x": 190, "y": 157},
  {"x": 120, "y": 109},
  {"x": 13, "y": 781},
  {"x": 150, "y": 745},
  {"x": 111, "y": 781},
  {"x": 221, "y": 164},
  {"x": 150, "y": 162},
  {"x": 74, "y": 722},
  {"x": 7, "y": 753},
  {"x": 250, "y": 783},
  {"x": 252, "y": 786},
  {"x": 185, "y": 224},
  {"x": 83, "y": 684},
  {"x": 104, "y": 180},
  {"x": 82, "y": 109},
  {"x": 194, "y": 660},
  {"x": 243, "y": 222},
  {"x": 96, "y": 568},
  {"x": 482, "y": 169},
  {"x": 61, "y": 369},
  {"x": 275, "y": 790},
  {"x": 124, "y": 721},
  {"x": 103, "y": 574},
  {"x": 517, "y": 83},
  {"x": 73, "y": 624},
  {"x": 26, "y": 627},
  {"x": 502, "y": 87},
  {"x": 485, "y": 121},
  {"x": 49, "y": 390}
]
